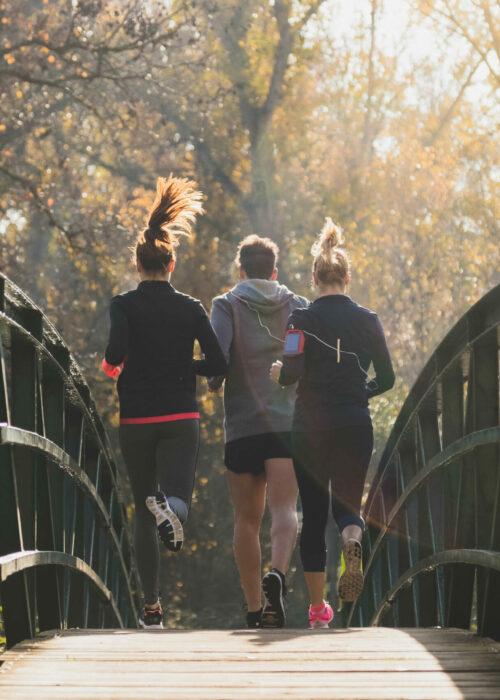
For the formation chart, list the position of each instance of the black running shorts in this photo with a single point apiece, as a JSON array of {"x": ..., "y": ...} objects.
[{"x": 247, "y": 455}]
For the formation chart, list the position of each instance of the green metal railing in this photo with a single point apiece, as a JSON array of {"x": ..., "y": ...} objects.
[
  {"x": 432, "y": 546},
  {"x": 66, "y": 558}
]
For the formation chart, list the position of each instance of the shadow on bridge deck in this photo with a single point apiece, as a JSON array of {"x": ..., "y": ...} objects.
[{"x": 353, "y": 663}]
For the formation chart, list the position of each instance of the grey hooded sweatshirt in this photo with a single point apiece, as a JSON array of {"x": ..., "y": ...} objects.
[{"x": 253, "y": 404}]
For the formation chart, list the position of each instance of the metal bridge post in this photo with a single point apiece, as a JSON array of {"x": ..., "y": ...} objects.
[{"x": 487, "y": 474}]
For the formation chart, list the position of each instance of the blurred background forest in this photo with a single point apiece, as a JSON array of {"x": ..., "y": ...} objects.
[{"x": 383, "y": 114}]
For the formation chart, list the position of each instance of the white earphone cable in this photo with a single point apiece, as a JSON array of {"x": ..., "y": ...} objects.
[{"x": 282, "y": 340}]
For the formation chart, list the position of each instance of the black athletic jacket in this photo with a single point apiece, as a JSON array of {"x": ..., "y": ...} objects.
[
  {"x": 334, "y": 394},
  {"x": 153, "y": 329}
]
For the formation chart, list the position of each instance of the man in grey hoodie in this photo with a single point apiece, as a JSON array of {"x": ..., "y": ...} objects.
[{"x": 250, "y": 322}]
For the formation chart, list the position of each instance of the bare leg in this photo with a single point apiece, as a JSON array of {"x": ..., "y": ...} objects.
[
  {"x": 282, "y": 494},
  {"x": 248, "y": 493},
  {"x": 316, "y": 584}
]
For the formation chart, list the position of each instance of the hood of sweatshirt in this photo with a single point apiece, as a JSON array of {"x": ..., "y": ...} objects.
[{"x": 266, "y": 296}]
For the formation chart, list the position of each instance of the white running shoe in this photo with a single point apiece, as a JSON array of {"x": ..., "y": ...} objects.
[{"x": 169, "y": 526}]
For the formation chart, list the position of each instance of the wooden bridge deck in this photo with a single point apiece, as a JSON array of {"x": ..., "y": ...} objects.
[{"x": 367, "y": 663}]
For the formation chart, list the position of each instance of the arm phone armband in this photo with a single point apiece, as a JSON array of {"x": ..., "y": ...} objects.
[{"x": 294, "y": 343}]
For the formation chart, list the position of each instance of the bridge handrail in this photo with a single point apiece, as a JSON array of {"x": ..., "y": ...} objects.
[
  {"x": 432, "y": 544},
  {"x": 66, "y": 553}
]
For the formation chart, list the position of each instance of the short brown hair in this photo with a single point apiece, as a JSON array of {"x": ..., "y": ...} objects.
[
  {"x": 257, "y": 256},
  {"x": 174, "y": 210}
]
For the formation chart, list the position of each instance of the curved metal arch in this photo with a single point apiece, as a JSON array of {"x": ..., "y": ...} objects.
[
  {"x": 470, "y": 557},
  {"x": 12, "y": 564},
  {"x": 457, "y": 343},
  {"x": 456, "y": 450},
  {"x": 437, "y": 488},
  {"x": 56, "y": 474},
  {"x": 51, "y": 339},
  {"x": 24, "y": 438},
  {"x": 87, "y": 407}
]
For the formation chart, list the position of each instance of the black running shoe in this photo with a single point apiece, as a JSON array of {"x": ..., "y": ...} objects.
[
  {"x": 273, "y": 585},
  {"x": 169, "y": 526},
  {"x": 151, "y": 619},
  {"x": 254, "y": 619}
]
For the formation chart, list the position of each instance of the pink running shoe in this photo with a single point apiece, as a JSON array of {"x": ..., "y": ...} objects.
[{"x": 320, "y": 616}]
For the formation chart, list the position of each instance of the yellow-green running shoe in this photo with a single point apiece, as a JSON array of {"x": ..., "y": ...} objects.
[{"x": 351, "y": 571}]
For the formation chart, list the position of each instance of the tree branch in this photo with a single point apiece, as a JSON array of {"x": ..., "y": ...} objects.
[
  {"x": 311, "y": 11},
  {"x": 40, "y": 204},
  {"x": 458, "y": 28},
  {"x": 231, "y": 36},
  {"x": 449, "y": 112},
  {"x": 485, "y": 6},
  {"x": 205, "y": 156},
  {"x": 285, "y": 43},
  {"x": 367, "y": 130}
]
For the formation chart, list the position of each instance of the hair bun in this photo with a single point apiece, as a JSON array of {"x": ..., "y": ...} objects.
[
  {"x": 331, "y": 235},
  {"x": 174, "y": 210},
  {"x": 149, "y": 236},
  {"x": 331, "y": 262},
  {"x": 157, "y": 235},
  {"x": 329, "y": 238}
]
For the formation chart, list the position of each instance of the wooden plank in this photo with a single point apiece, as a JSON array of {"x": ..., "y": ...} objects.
[{"x": 375, "y": 663}]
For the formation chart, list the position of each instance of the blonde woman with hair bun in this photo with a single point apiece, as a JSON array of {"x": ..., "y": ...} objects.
[{"x": 329, "y": 348}]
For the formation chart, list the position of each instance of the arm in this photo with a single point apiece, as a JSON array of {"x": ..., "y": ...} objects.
[
  {"x": 117, "y": 346},
  {"x": 214, "y": 362},
  {"x": 222, "y": 322},
  {"x": 384, "y": 372},
  {"x": 292, "y": 370}
]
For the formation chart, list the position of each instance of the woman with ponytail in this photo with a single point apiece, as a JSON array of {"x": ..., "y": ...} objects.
[
  {"x": 150, "y": 349},
  {"x": 329, "y": 348}
]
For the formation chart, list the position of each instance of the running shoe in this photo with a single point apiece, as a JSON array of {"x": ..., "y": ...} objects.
[
  {"x": 321, "y": 616},
  {"x": 169, "y": 526},
  {"x": 151, "y": 618},
  {"x": 351, "y": 571},
  {"x": 273, "y": 585},
  {"x": 254, "y": 619}
]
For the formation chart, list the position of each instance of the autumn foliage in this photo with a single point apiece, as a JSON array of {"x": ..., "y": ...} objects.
[{"x": 283, "y": 113}]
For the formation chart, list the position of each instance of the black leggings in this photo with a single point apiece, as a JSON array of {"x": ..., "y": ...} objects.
[
  {"x": 158, "y": 456},
  {"x": 339, "y": 457}
]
